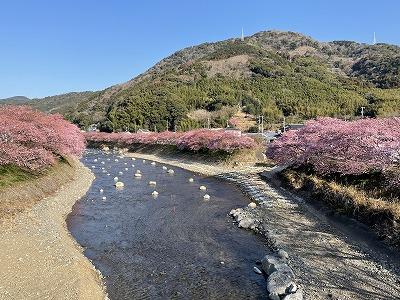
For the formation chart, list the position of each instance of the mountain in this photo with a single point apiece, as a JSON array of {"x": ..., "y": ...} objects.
[
  {"x": 15, "y": 100},
  {"x": 272, "y": 73}
]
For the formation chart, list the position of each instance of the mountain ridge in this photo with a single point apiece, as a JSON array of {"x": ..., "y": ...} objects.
[{"x": 274, "y": 73}]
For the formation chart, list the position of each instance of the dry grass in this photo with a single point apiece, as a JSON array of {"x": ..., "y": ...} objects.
[
  {"x": 382, "y": 215},
  {"x": 20, "y": 190}
]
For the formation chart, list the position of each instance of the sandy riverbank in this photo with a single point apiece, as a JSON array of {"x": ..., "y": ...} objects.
[{"x": 39, "y": 259}]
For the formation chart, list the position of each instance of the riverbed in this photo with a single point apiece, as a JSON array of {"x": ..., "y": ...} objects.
[{"x": 176, "y": 245}]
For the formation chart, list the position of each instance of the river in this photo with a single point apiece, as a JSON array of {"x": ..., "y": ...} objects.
[{"x": 176, "y": 245}]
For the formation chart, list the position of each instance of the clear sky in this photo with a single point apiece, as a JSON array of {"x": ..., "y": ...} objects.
[{"x": 50, "y": 47}]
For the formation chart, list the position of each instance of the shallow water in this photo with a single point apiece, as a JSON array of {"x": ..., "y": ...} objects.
[{"x": 175, "y": 246}]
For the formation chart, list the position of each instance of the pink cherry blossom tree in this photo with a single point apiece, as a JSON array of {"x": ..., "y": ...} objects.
[
  {"x": 33, "y": 140},
  {"x": 331, "y": 145},
  {"x": 195, "y": 140}
]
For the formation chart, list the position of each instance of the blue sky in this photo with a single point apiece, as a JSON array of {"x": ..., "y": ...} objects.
[{"x": 50, "y": 47}]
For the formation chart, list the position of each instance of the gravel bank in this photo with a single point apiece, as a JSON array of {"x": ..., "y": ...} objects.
[
  {"x": 195, "y": 166},
  {"x": 327, "y": 264},
  {"x": 39, "y": 259}
]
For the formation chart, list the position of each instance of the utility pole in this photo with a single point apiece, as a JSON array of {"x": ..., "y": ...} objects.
[
  {"x": 362, "y": 111},
  {"x": 167, "y": 124},
  {"x": 208, "y": 122},
  {"x": 262, "y": 124},
  {"x": 155, "y": 128},
  {"x": 284, "y": 123}
]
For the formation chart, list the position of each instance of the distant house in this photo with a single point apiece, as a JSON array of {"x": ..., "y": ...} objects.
[{"x": 270, "y": 135}]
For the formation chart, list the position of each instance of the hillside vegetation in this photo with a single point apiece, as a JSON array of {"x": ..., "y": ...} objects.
[{"x": 271, "y": 73}]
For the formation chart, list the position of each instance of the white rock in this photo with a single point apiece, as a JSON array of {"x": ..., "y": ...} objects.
[
  {"x": 102, "y": 162},
  {"x": 164, "y": 168},
  {"x": 144, "y": 161},
  {"x": 101, "y": 190},
  {"x": 108, "y": 174},
  {"x": 133, "y": 158},
  {"x": 119, "y": 184},
  {"x": 104, "y": 198},
  {"x": 152, "y": 183},
  {"x": 202, "y": 188},
  {"x": 153, "y": 163},
  {"x": 206, "y": 197},
  {"x": 120, "y": 173},
  {"x": 126, "y": 169},
  {"x": 257, "y": 270},
  {"x": 93, "y": 167},
  {"x": 125, "y": 163},
  {"x": 138, "y": 175},
  {"x": 191, "y": 180},
  {"x": 138, "y": 172},
  {"x": 116, "y": 160},
  {"x": 115, "y": 179},
  {"x": 252, "y": 205},
  {"x": 283, "y": 254},
  {"x": 246, "y": 223},
  {"x": 95, "y": 160},
  {"x": 154, "y": 194},
  {"x": 170, "y": 171},
  {"x": 133, "y": 166}
]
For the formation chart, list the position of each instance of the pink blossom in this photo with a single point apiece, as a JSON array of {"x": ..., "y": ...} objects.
[
  {"x": 195, "y": 140},
  {"x": 31, "y": 139},
  {"x": 331, "y": 145}
]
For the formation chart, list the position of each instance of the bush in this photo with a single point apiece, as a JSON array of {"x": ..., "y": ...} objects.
[
  {"x": 333, "y": 146},
  {"x": 195, "y": 140},
  {"x": 32, "y": 140}
]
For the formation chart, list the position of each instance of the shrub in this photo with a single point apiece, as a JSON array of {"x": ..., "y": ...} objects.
[
  {"x": 33, "y": 140},
  {"x": 333, "y": 146}
]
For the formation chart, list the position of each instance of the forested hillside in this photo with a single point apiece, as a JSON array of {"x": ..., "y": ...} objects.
[{"x": 272, "y": 73}]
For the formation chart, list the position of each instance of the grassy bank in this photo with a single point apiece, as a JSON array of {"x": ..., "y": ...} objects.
[
  {"x": 21, "y": 189},
  {"x": 381, "y": 214}
]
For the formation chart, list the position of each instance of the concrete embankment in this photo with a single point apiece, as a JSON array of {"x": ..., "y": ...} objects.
[{"x": 39, "y": 258}]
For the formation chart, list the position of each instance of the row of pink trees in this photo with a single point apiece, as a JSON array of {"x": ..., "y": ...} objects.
[
  {"x": 333, "y": 146},
  {"x": 195, "y": 140},
  {"x": 33, "y": 140}
]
